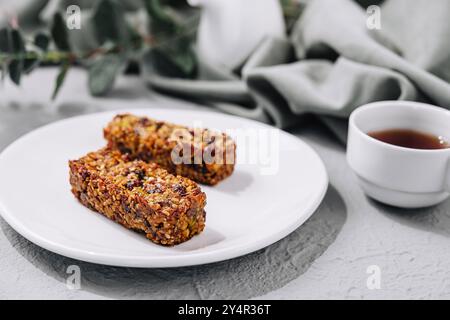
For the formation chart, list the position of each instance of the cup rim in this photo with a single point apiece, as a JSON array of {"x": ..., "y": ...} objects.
[{"x": 404, "y": 103}]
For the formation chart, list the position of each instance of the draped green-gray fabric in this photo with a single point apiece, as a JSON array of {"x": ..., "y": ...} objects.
[
  {"x": 329, "y": 65},
  {"x": 332, "y": 63}
]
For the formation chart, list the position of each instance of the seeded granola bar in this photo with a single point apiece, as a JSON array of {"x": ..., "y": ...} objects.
[
  {"x": 199, "y": 154},
  {"x": 140, "y": 196}
]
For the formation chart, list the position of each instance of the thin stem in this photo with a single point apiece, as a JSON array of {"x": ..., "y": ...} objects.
[
  {"x": 56, "y": 56},
  {"x": 49, "y": 56}
]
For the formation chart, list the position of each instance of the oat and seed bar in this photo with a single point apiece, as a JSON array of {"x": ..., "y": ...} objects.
[
  {"x": 207, "y": 156},
  {"x": 140, "y": 196}
]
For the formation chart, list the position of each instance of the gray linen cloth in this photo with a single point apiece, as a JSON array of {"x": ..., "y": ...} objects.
[
  {"x": 332, "y": 63},
  {"x": 329, "y": 65}
]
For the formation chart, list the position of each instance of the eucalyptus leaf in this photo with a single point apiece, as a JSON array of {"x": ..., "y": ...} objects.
[
  {"x": 84, "y": 40},
  {"x": 5, "y": 40},
  {"x": 179, "y": 52},
  {"x": 161, "y": 21},
  {"x": 159, "y": 62},
  {"x": 5, "y": 48},
  {"x": 109, "y": 21},
  {"x": 42, "y": 40},
  {"x": 111, "y": 37},
  {"x": 29, "y": 64},
  {"x": 103, "y": 73},
  {"x": 136, "y": 40},
  {"x": 3, "y": 70},
  {"x": 15, "y": 67},
  {"x": 185, "y": 59},
  {"x": 59, "y": 33},
  {"x": 60, "y": 78},
  {"x": 18, "y": 46},
  {"x": 172, "y": 51}
]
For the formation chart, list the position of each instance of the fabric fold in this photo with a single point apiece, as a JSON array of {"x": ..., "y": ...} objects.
[{"x": 329, "y": 65}]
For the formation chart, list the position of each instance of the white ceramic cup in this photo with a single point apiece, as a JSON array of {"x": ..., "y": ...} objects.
[{"x": 398, "y": 176}]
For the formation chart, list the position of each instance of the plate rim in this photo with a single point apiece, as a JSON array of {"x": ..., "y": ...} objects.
[{"x": 191, "y": 259}]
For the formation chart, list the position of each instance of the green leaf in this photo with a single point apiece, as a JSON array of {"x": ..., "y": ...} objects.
[
  {"x": 161, "y": 21},
  {"x": 18, "y": 46},
  {"x": 60, "y": 78},
  {"x": 5, "y": 48},
  {"x": 29, "y": 64},
  {"x": 5, "y": 40},
  {"x": 109, "y": 22},
  {"x": 59, "y": 33},
  {"x": 179, "y": 53},
  {"x": 185, "y": 59},
  {"x": 172, "y": 52},
  {"x": 4, "y": 71},
  {"x": 162, "y": 63},
  {"x": 136, "y": 41},
  {"x": 15, "y": 67},
  {"x": 42, "y": 40},
  {"x": 103, "y": 73},
  {"x": 155, "y": 61}
]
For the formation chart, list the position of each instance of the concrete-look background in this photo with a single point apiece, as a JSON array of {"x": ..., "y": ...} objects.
[{"x": 327, "y": 257}]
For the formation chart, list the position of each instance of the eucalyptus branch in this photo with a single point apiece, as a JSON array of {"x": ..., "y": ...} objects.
[
  {"x": 168, "y": 39},
  {"x": 291, "y": 11},
  {"x": 118, "y": 42},
  {"x": 45, "y": 57}
]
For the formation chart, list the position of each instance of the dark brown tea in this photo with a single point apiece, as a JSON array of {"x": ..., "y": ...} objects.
[{"x": 410, "y": 139}]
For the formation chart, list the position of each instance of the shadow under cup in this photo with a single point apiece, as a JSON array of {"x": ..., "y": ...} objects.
[{"x": 395, "y": 175}]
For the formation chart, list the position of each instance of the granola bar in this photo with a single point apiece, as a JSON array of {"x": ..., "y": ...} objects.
[
  {"x": 140, "y": 196},
  {"x": 199, "y": 154}
]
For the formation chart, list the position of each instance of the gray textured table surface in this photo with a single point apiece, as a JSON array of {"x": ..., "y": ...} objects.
[{"x": 327, "y": 257}]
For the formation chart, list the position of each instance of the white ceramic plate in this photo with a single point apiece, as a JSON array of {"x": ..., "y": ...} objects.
[{"x": 248, "y": 211}]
